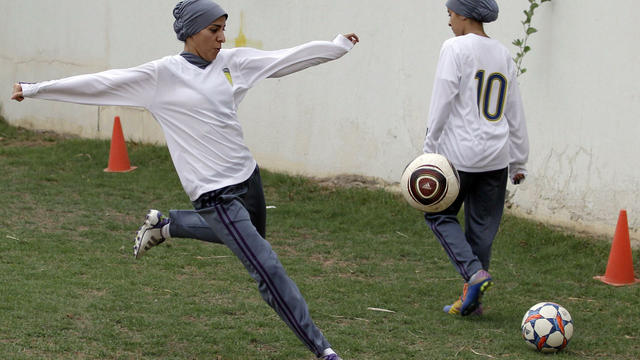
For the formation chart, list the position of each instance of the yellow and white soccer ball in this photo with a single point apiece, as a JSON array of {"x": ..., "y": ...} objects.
[{"x": 430, "y": 183}]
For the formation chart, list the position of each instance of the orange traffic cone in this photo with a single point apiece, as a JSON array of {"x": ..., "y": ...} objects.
[
  {"x": 118, "y": 157},
  {"x": 620, "y": 266}
]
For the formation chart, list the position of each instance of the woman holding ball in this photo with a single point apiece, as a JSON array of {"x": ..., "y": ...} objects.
[{"x": 476, "y": 120}]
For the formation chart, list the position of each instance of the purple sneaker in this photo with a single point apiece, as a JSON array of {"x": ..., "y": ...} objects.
[
  {"x": 479, "y": 283},
  {"x": 150, "y": 233}
]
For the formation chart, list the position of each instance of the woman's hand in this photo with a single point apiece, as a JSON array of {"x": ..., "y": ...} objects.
[
  {"x": 17, "y": 93},
  {"x": 353, "y": 38},
  {"x": 518, "y": 178}
]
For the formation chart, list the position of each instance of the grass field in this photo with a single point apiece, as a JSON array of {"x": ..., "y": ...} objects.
[{"x": 70, "y": 288}]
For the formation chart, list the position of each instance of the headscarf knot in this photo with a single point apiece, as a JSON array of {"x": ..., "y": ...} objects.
[{"x": 481, "y": 10}]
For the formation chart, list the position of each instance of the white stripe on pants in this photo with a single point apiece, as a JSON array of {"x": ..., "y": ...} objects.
[{"x": 483, "y": 196}]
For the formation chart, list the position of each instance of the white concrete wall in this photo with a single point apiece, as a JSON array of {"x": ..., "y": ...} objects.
[{"x": 366, "y": 113}]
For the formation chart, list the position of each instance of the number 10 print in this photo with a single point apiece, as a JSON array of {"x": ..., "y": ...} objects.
[{"x": 491, "y": 109}]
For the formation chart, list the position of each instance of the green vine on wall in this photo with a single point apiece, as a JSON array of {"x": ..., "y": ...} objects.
[{"x": 523, "y": 47}]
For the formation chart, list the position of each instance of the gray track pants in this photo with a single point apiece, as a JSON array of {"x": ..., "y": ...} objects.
[
  {"x": 483, "y": 195},
  {"x": 236, "y": 217}
]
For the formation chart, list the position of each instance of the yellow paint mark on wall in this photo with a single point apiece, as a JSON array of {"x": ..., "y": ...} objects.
[{"x": 242, "y": 41}]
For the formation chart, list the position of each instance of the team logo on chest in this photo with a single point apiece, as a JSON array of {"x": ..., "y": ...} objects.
[{"x": 227, "y": 73}]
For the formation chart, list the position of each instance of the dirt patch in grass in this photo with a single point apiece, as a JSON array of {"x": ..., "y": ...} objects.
[
  {"x": 355, "y": 181},
  {"x": 11, "y": 136},
  {"x": 31, "y": 138}
]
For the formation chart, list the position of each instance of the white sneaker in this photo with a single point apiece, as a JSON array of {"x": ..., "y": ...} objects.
[
  {"x": 150, "y": 233},
  {"x": 331, "y": 357}
]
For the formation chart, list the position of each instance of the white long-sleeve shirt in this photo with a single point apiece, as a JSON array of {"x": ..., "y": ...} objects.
[
  {"x": 197, "y": 108},
  {"x": 476, "y": 116}
]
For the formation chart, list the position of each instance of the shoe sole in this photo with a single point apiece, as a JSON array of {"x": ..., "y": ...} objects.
[
  {"x": 139, "y": 248},
  {"x": 473, "y": 305}
]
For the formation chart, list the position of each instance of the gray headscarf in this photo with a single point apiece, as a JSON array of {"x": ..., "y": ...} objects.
[
  {"x": 194, "y": 15},
  {"x": 481, "y": 10}
]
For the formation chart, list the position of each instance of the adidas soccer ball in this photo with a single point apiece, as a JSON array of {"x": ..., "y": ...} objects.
[
  {"x": 430, "y": 183},
  {"x": 547, "y": 327}
]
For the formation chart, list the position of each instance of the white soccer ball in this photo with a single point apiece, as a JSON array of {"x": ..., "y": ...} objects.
[
  {"x": 547, "y": 327},
  {"x": 430, "y": 183}
]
